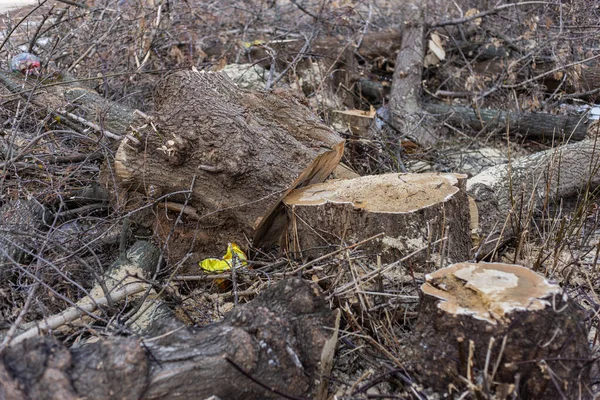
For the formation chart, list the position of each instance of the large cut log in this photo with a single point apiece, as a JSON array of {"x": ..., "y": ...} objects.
[
  {"x": 531, "y": 125},
  {"x": 239, "y": 151},
  {"x": 498, "y": 328},
  {"x": 509, "y": 195},
  {"x": 278, "y": 339},
  {"x": 414, "y": 211}
]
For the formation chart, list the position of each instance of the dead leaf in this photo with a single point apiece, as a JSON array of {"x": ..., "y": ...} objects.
[
  {"x": 220, "y": 65},
  {"x": 473, "y": 11},
  {"x": 437, "y": 47}
]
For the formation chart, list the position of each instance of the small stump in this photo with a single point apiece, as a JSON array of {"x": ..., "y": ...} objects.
[
  {"x": 414, "y": 211},
  {"x": 500, "y": 328}
]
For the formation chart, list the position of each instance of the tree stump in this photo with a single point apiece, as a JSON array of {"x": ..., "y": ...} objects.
[
  {"x": 414, "y": 211},
  {"x": 500, "y": 328},
  {"x": 238, "y": 151}
]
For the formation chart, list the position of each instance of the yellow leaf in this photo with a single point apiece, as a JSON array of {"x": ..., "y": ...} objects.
[
  {"x": 224, "y": 264},
  {"x": 471, "y": 12}
]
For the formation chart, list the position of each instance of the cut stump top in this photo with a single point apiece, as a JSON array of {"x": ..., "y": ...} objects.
[
  {"x": 388, "y": 193},
  {"x": 488, "y": 291}
]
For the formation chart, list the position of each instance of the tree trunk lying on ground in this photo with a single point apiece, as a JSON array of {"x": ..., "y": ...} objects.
[
  {"x": 278, "y": 339},
  {"x": 414, "y": 211},
  {"x": 531, "y": 125},
  {"x": 508, "y": 195},
  {"x": 71, "y": 100},
  {"x": 501, "y": 329},
  {"x": 240, "y": 152}
]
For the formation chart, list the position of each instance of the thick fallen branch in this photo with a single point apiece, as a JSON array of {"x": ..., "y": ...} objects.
[
  {"x": 531, "y": 125},
  {"x": 278, "y": 339},
  {"x": 508, "y": 195}
]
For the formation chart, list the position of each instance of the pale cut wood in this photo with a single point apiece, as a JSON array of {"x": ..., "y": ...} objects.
[
  {"x": 412, "y": 210},
  {"x": 240, "y": 151},
  {"x": 501, "y": 327}
]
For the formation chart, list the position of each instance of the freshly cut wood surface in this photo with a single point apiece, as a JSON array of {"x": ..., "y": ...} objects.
[
  {"x": 491, "y": 322},
  {"x": 412, "y": 210}
]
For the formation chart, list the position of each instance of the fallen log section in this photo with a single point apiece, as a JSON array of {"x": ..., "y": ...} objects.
[
  {"x": 277, "y": 340},
  {"x": 531, "y": 125},
  {"x": 509, "y": 195},
  {"x": 427, "y": 212},
  {"x": 239, "y": 152},
  {"x": 501, "y": 328}
]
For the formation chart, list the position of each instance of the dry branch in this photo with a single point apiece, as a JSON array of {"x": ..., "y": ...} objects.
[{"x": 531, "y": 125}]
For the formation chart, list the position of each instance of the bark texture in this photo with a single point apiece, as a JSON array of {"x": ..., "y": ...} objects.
[
  {"x": 497, "y": 325},
  {"x": 412, "y": 210},
  {"x": 276, "y": 339},
  {"x": 239, "y": 151},
  {"x": 61, "y": 93},
  {"x": 508, "y": 194},
  {"x": 17, "y": 219},
  {"x": 405, "y": 105},
  {"x": 531, "y": 125}
]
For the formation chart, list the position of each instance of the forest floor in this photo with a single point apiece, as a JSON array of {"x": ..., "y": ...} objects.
[{"x": 122, "y": 49}]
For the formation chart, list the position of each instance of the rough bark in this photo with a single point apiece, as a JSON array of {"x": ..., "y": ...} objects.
[
  {"x": 17, "y": 218},
  {"x": 239, "y": 151},
  {"x": 531, "y": 125},
  {"x": 63, "y": 94},
  {"x": 508, "y": 195},
  {"x": 412, "y": 210},
  {"x": 497, "y": 325},
  {"x": 406, "y": 113},
  {"x": 277, "y": 339}
]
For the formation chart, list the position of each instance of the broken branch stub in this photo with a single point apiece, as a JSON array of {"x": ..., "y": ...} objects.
[
  {"x": 245, "y": 150},
  {"x": 414, "y": 211},
  {"x": 500, "y": 325}
]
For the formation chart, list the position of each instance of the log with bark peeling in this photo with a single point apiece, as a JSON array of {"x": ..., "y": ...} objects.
[
  {"x": 502, "y": 329},
  {"x": 279, "y": 339},
  {"x": 414, "y": 211},
  {"x": 239, "y": 151}
]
